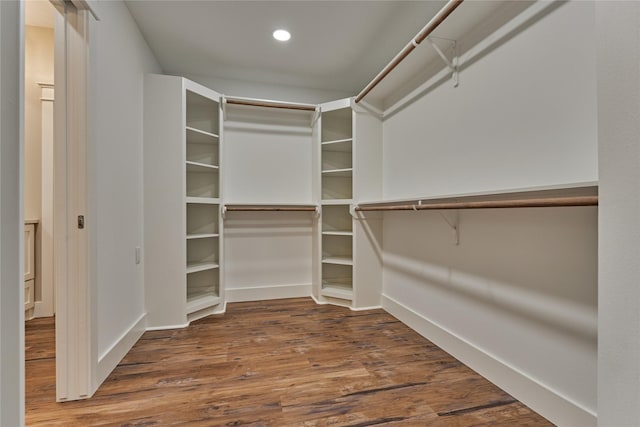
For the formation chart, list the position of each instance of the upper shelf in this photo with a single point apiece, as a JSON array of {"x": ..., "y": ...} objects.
[{"x": 574, "y": 194}]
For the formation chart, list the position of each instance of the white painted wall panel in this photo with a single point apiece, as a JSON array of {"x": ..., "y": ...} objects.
[
  {"x": 618, "y": 31},
  {"x": 268, "y": 250},
  {"x": 267, "y": 157},
  {"x": 521, "y": 286},
  {"x": 119, "y": 59},
  {"x": 524, "y": 114}
]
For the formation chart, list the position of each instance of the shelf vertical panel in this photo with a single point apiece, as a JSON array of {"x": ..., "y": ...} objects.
[{"x": 164, "y": 214}]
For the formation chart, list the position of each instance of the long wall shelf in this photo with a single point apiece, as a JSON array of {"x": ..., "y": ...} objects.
[{"x": 580, "y": 189}]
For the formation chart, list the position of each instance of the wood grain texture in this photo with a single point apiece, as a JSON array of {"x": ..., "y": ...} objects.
[{"x": 277, "y": 363}]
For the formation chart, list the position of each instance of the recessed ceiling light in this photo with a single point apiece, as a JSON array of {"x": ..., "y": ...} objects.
[{"x": 281, "y": 35}]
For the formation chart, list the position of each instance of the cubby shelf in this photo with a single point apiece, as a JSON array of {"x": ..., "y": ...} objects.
[
  {"x": 333, "y": 202},
  {"x": 201, "y": 266},
  {"x": 344, "y": 172},
  {"x": 337, "y": 290},
  {"x": 337, "y": 233},
  {"x": 203, "y": 200},
  {"x": 198, "y": 136},
  {"x": 201, "y": 167},
  {"x": 202, "y": 236},
  {"x": 337, "y": 260},
  {"x": 341, "y": 145},
  {"x": 200, "y": 302}
]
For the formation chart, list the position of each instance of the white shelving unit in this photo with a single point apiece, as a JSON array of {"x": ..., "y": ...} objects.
[
  {"x": 336, "y": 189},
  {"x": 202, "y": 199},
  {"x": 183, "y": 237},
  {"x": 349, "y": 168}
]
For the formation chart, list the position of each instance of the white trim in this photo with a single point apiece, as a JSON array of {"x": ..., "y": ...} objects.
[
  {"x": 111, "y": 357},
  {"x": 167, "y": 327},
  {"x": 549, "y": 403},
  {"x": 268, "y": 293}
]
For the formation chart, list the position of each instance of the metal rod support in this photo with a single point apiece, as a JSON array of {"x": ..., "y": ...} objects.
[
  {"x": 490, "y": 204},
  {"x": 423, "y": 34}
]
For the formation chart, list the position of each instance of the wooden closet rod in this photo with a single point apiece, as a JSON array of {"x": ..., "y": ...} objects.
[
  {"x": 490, "y": 204},
  {"x": 419, "y": 38},
  {"x": 270, "y": 208},
  {"x": 270, "y": 104}
]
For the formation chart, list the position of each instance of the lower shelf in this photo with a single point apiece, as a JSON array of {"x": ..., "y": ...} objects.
[
  {"x": 337, "y": 290},
  {"x": 199, "y": 303}
]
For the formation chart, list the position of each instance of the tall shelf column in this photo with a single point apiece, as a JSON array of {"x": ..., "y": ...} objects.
[
  {"x": 349, "y": 247},
  {"x": 183, "y": 237}
]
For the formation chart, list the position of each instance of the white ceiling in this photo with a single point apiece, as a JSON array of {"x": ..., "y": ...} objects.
[{"x": 335, "y": 45}]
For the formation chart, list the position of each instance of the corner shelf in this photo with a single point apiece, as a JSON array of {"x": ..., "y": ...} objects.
[
  {"x": 202, "y": 236},
  {"x": 201, "y": 167},
  {"x": 201, "y": 266},
  {"x": 197, "y": 136},
  {"x": 337, "y": 290}
]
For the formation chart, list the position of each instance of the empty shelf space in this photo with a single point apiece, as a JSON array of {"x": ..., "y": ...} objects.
[
  {"x": 201, "y": 167},
  {"x": 337, "y": 260},
  {"x": 337, "y": 290},
  {"x": 198, "y": 136},
  {"x": 201, "y": 266},
  {"x": 202, "y": 236}
]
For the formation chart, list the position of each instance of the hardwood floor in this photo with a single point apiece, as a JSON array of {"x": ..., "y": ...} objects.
[{"x": 277, "y": 363}]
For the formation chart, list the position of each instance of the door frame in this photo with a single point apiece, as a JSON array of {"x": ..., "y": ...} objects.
[{"x": 76, "y": 332}]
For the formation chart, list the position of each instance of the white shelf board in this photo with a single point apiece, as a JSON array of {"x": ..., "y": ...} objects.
[
  {"x": 337, "y": 260},
  {"x": 203, "y": 200},
  {"x": 201, "y": 167},
  {"x": 337, "y": 201},
  {"x": 342, "y": 145},
  {"x": 201, "y": 266},
  {"x": 589, "y": 188},
  {"x": 202, "y": 236},
  {"x": 336, "y": 290},
  {"x": 346, "y": 172},
  {"x": 197, "y": 136},
  {"x": 201, "y": 302},
  {"x": 337, "y": 233}
]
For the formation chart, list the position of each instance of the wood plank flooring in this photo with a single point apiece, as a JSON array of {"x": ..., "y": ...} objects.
[{"x": 277, "y": 363}]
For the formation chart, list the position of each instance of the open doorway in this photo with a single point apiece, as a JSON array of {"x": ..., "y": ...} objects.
[{"x": 40, "y": 344}]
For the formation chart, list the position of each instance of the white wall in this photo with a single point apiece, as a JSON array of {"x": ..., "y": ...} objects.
[
  {"x": 517, "y": 299},
  {"x": 38, "y": 69},
  {"x": 268, "y": 91},
  {"x": 119, "y": 59},
  {"x": 618, "y": 47},
  {"x": 267, "y": 158},
  {"x": 11, "y": 211},
  {"x": 524, "y": 114},
  {"x": 268, "y": 255}
]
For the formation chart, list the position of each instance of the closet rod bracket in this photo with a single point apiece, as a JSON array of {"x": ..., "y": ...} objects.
[
  {"x": 454, "y": 224},
  {"x": 223, "y": 211},
  {"x": 452, "y": 64},
  {"x": 223, "y": 103}
]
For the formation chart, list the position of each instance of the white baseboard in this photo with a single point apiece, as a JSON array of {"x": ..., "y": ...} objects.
[
  {"x": 110, "y": 358},
  {"x": 550, "y": 404},
  {"x": 167, "y": 327},
  {"x": 268, "y": 292}
]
